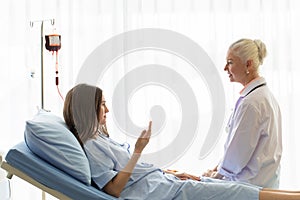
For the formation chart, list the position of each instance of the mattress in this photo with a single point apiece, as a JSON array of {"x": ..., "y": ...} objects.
[{"x": 21, "y": 158}]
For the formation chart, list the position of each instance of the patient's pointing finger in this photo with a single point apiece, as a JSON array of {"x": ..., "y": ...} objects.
[{"x": 150, "y": 126}]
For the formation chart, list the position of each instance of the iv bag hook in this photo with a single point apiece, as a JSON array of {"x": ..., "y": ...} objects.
[{"x": 52, "y": 21}]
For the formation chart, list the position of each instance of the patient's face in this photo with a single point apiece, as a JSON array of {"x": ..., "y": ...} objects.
[{"x": 103, "y": 111}]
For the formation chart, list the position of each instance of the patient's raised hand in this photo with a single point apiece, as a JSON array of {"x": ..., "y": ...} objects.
[{"x": 143, "y": 140}]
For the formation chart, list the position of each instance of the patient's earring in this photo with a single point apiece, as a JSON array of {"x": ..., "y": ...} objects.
[{"x": 247, "y": 72}]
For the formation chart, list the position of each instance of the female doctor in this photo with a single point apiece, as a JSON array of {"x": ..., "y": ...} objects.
[{"x": 253, "y": 148}]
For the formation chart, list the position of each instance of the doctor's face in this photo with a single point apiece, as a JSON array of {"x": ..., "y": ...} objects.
[{"x": 235, "y": 68}]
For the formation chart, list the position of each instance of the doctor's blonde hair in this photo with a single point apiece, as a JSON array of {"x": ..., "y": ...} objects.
[{"x": 247, "y": 49}]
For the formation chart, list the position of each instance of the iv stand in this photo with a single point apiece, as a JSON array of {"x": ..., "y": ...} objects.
[{"x": 42, "y": 54}]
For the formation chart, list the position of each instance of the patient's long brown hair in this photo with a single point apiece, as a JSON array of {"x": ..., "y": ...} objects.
[{"x": 81, "y": 111}]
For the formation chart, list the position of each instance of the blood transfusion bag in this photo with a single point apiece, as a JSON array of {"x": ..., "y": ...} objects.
[{"x": 53, "y": 42}]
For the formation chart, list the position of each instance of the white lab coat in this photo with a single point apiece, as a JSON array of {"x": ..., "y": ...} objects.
[{"x": 253, "y": 149}]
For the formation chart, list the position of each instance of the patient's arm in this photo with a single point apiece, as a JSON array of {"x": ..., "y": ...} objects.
[{"x": 115, "y": 186}]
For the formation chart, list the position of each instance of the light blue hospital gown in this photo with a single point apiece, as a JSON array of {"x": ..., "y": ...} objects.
[{"x": 107, "y": 157}]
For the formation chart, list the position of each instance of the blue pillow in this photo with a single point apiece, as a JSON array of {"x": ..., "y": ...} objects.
[{"x": 48, "y": 136}]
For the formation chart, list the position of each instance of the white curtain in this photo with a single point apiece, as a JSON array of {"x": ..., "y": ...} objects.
[{"x": 86, "y": 25}]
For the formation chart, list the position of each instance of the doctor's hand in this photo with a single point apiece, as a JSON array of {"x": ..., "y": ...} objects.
[
  {"x": 212, "y": 174},
  {"x": 143, "y": 140},
  {"x": 208, "y": 173}
]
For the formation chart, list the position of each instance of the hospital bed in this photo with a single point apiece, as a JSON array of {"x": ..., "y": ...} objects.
[
  {"x": 43, "y": 173},
  {"x": 20, "y": 161}
]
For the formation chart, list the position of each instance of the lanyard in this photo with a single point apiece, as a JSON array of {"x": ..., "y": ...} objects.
[
  {"x": 256, "y": 88},
  {"x": 241, "y": 97},
  {"x": 237, "y": 103}
]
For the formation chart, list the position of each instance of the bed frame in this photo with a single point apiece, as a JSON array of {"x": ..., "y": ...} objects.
[
  {"x": 20, "y": 161},
  {"x": 14, "y": 171}
]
